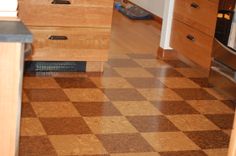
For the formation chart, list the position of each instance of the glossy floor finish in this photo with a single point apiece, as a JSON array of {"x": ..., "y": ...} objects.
[{"x": 139, "y": 106}]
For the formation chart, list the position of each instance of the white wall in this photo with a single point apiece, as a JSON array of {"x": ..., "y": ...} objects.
[
  {"x": 8, "y": 8},
  {"x": 167, "y": 24},
  {"x": 154, "y": 6}
]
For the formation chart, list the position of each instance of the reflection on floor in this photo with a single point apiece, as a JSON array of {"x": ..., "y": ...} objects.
[{"x": 140, "y": 106}]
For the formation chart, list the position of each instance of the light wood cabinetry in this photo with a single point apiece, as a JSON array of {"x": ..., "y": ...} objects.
[
  {"x": 68, "y": 30},
  {"x": 193, "y": 29}
]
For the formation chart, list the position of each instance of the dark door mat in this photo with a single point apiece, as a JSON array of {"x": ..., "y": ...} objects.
[
  {"x": 135, "y": 13},
  {"x": 54, "y": 66}
]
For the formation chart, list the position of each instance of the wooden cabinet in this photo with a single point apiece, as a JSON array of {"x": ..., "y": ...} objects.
[
  {"x": 193, "y": 29},
  {"x": 68, "y": 30}
]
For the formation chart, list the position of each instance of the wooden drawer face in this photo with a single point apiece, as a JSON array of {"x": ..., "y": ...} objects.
[
  {"x": 88, "y": 13},
  {"x": 70, "y": 44},
  {"x": 191, "y": 43},
  {"x": 199, "y": 14}
]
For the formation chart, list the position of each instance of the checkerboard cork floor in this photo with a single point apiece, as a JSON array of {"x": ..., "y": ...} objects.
[{"x": 139, "y": 106}]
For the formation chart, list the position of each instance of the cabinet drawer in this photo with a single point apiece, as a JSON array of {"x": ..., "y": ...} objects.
[
  {"x": 88, "y": 13},
  {"x": 70, "y": 44},
  {"x": 191, "y": 43},
  {"x": 199, "y": 14}
]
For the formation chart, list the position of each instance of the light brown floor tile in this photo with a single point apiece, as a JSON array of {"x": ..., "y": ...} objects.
[
  {"x": 217, "y": 152},
  {"x": 36, "y": 146},
  {"x": 178, "y": 83},
  {"x": 174, "y": 107},
  {"x": 209, "y": 139},
  {"x": 160, "y": 94},
  {"x": 218, "y": 95},
  {"x": 124, "y": 143},
  {"x": 108, "y": 125},
  {"x": 113, "y": 82},
  {"x": 55, "y": 109},
  {"x": 96, "y": 109},
  {"x": 85, "y": 95},
  {"x": 65, "y": 126},
  {"x": 86, "y": 144},
  {"x": 141, "y": 55},
  {"x": 192, "y": 72},
  {"x": 31, "y": 127},
  {"x": 146, "y": 83},
  {"x": 123, "y": 94},
  {"x": 170, "y": 141},
  {"x": 152, "y": 63},
  {"x": 152, "y": 123},
  {"x": 118, "y": 55},
  {"x": 40, "y": 82},
  {"x": 133, "y": 72},
  {"x": 137, "y": 154},
  {"x": 122, "y": 63},
  {"x": 46, "y": 95},
  {"x": 210, "y": 107},
  {"x": 192, "y": 122},
  {"x": 164, "y": 72},
  {"x": 135, "y": 108}
]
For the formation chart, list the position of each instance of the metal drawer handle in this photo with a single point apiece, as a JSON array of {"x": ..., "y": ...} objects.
[
  {"x": 194, "y": 5},
  {"x": 61, "y": 2},
  {"x": 58, "y": 38},
  {"x": 190, "y": 37}
]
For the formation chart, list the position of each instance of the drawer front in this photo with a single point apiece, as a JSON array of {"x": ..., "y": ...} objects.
[
  {"x": 191, "y": 43},
  {"x": 199, "y": 14},
  {"x": 88, "y": 13},
  {"x": 70, "y": 44}
]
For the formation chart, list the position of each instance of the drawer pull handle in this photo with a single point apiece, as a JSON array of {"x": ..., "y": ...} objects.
[
  {"x": 58, "y": 38},
  {"x": 190, "y": 37},
  {"x": 61, "y": 2},
  {"x": 194, "y": 5}
]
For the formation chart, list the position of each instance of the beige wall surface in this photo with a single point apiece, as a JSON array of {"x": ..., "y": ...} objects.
[{"x": 154, "y": 6}]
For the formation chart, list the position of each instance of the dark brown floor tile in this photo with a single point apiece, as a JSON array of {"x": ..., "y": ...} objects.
[
  {"x": 203, "y": 82},
  {"x": 177, "y": 63},
  {"x": 141, "y": 56},
  {"x": 122, "y": 143},
  {"x": 209, "y": 139},
  {"x": 46, "y": 95},
  {"x": 96, "y": 109},
  {"x": 164, "y": 72},
  {"x": 75, "y": 82},
  {"x": 223, "y": 121},
  {"x": 27, "y": 110},
  {"x": 174, "y": 107},
  {"x": 194, "y": 94},
  {"x": 56, "y": 74},
  {"x": 123, "y": 95},
  {"x": 63, "y": 126},
  {"x": 36, "y": 146},
  {"x": 122, "y": 63},
  {"x": 230, "y": 103},
  {"x": 152, "y": 124},
  {"x": 183, "y": 153},
  {"x": 145, "y": 82}
]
